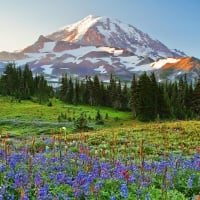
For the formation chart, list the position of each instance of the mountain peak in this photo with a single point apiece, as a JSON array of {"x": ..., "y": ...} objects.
[
  {"x": 104, "y": 31},
  {"x": 102, "y": 45}
]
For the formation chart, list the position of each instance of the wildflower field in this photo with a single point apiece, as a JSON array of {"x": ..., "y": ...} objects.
[{"x": 139, "y": 161}]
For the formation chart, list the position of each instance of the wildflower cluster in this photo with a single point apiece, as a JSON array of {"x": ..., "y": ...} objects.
[{"x": 58, "y": 172}]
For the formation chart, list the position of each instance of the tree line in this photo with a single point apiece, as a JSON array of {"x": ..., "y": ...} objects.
[
  {"x": 21, "y": 84},
  {"x": 145, "y": 97}
]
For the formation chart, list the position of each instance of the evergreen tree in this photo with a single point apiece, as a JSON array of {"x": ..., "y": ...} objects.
[
  {"x": 163, "y": 109},
  {"x": 70, "y": 91},
  {"x": 103, "y": 95},
  {"x": 112, "y": 91},
  {"x": 27, "y": 83},
  {"x": 154, "y": 90},
  {"x": 76, "y": 97},
  {"x": 125, "y": 97},
  {"x": 96, "y": 91},
  {"x": 146, "y": 107},
  {"x": 196, "y": 99},
  {"x": 64, "y": 88},
  {"x": 42, "y": 91},
  {"x": 118, "y": 98},
  {"x": 134, "y": 97},
  {"x": 85, "y": 87}
]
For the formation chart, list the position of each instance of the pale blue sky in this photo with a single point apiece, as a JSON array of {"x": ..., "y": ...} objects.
[{"x": 176, "y": 23}]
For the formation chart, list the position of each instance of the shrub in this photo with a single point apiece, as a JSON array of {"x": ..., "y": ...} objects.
[{"x": 81, "y": 123}]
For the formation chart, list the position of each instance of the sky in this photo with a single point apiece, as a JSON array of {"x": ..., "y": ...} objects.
[{"x": 176, "y": 23}]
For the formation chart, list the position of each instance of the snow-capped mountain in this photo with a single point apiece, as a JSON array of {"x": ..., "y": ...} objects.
[
  {"x": 98, "y": 45},
  {"x": 103, "y": 31}
]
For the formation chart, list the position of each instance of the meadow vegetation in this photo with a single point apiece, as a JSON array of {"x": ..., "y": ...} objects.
[
  {"x": 44, "y": 157},
  {"x": 67, "y": 145}
]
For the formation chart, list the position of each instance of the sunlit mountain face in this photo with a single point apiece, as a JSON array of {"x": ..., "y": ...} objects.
[{"x": 101, "y": 45}]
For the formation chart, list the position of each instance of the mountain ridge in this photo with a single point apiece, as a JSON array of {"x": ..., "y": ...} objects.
[
  {"x": 101, "y": 45},
  {"x": 104, "y": 31}
]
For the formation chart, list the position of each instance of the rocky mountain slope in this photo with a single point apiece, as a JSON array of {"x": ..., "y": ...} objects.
[{"x": 100, "y": 45}]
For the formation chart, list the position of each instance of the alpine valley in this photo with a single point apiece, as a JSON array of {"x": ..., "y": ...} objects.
[{"x": 100, "y": 45}]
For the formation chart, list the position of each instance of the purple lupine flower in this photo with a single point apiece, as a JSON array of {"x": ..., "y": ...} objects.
[
  {"x": 113, "y": 198},
  {"x": 37, "y": 180},
  {"x": 98, "y": 186},
  {"x": 77, "y": 193},
  {"x": 60, "y": 177},
  {"x": 18, "y": 180},
  {"x": 105, "y": 170},
  {"x": 132, "y": 179},
  {"x": 86, "y": 189},
  {"x": 2, "y": 168},
  {"x": 43, "y": 192},
  {"x": 147, "y": 166},
  {"x": 124, "y": 190}
]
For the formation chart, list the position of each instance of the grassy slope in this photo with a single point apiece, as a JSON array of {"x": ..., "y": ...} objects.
[
  {"x": 28, "y": 117},
  {"x": 31, "y": 118}
]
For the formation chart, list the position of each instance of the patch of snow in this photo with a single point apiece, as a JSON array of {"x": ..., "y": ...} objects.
[
  {"x": 24, "y": 61},
  {"x": 35, "y": 56},
  {"x": 118, "y": 52},
  {"x": 179, "y": 73},
  {"x": 107, "y": 49},
  {"x": 93, "y": 60},
  {"x": 81, "y": 51},
  {"x": 78, "y": 61},
  {"x": 111, "y": 50},
  {"x": 47, "y": 69},
  {"x": 82, "y": 26},
  {"x": 69, "y": 60},
  {"x": 146, "y": 67},
  {"x": 48, "y": 47},
  {"x": 101, "y": 69},
  {"x": 108, "y": 60},
  {"x": 161, "y": 62}
]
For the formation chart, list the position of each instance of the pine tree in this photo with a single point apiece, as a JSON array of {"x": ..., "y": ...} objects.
[
  {"x": 27, "y": 82},
  {"x": 134, "y": 97},
  {"x": 118, "y": 98},
  {"x": 85, "y": 87},
  {"x": 76, "y": 97},
  {"x": 96, "y": 91},
  {"x": 146, "y": 101},
  {"x": 42, "y": 91},
  {"x": 125, "y": 97},
  {"x": 155, "y": 92},
  {"x": 70, "y": 91},
  {"x": 196, "y": 99},
  {"x": 112, "y": 91},
  {"x": 64, "y": 88},
  {"x": 163, "y": 109}
]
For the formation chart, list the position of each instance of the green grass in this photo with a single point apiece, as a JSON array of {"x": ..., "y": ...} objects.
[{"x": 28, "y": 117}]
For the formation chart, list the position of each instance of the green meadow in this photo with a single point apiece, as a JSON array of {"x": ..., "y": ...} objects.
[
  {"x": 29, "y": 118},
  {"x": 115, "y": 158}
]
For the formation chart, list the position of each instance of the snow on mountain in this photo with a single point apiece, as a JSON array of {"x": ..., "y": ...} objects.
[
  {"x": 103, "y": 31},
  {"x": 161, "y": 62},
  {"x": 101, "y": 45},
  {"x": 101, "y": 70}
]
